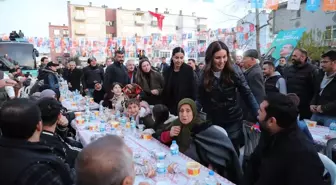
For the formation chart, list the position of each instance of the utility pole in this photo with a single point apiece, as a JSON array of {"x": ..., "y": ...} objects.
[{"x": 257, "y": 27}]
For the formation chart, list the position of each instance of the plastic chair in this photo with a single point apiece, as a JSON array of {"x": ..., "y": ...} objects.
[
  {"x": 329, "y": 148},
  {"x": 27, "y": 90},
  {"x": 330, "y": 167}
]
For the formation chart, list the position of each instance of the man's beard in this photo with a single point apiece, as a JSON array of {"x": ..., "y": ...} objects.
[
  {"x": 296, "y": 62},
  {"x": 263, "y": 127}
]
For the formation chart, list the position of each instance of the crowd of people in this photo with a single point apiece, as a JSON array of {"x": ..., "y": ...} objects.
[{"x": 190, "y": 102}]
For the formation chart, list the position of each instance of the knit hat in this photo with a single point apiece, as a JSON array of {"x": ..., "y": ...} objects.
[{"x": 47, "y": 93}]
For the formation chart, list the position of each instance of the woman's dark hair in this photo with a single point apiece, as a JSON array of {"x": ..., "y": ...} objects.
[
  {"x": 140, "y": 76},
  {"x": 227, "y": 72},
  {"x": 109, "y": 95},
  {"x": 175, "y": 50},
  {"x": 160, "y": 113}
]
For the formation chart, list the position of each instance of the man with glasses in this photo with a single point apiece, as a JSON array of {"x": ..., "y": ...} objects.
[{"x": 323, "y": 105}]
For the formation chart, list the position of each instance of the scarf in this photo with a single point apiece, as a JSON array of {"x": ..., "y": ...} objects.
[{"x": 184, "y": 139}]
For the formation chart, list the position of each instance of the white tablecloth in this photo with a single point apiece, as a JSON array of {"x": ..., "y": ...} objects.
[
  {"x": 69, "y": 107},
  {"x": 319, "y": 134},
  {"x": 144, "y": 147}
]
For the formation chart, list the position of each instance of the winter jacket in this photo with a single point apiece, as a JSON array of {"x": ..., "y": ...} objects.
[{"x": 221, "y": 104}]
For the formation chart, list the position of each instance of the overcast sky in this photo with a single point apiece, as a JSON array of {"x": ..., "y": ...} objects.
[{"x": 33, "y": 16}]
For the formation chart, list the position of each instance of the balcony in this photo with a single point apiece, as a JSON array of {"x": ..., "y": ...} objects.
[{"x": 79, "y": 16}]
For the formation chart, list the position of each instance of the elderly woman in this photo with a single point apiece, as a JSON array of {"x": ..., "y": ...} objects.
[{"x": 199, "y": 140}]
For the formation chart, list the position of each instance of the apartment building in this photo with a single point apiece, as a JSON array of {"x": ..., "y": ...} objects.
[{"x": 58, "y": 32}]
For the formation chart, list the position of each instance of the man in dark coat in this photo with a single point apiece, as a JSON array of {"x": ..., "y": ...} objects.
[
  {"x": 26, "y": 160},
  {"x": 284, "y": 155},
  {"x": 254, "y": 77},
  {"x": 92, "y": 75},
  {"x": 73, "y": 77},
  {"x": 116, "y": 72},
  {"x": 300, "y": 78},
  {"x": 51, "y": 114},
  {"x": 323, "y": 104}
]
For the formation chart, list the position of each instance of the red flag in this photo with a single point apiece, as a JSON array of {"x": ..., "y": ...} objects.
[
  {"x": 252, "y": 27},
  {"x": 159, "y": 18}
]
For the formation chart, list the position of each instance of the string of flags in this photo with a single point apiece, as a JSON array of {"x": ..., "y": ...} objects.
[
  {"x": 311, "y": 5},
  {"x": 234, "y": 37}
]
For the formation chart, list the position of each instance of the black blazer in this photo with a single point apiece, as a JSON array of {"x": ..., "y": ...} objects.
[{"x": 184, "y": 87}]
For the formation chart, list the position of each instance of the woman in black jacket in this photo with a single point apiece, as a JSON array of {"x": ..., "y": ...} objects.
[
  {"x": 218, "y": 92},
  {"x": 179, "y": 81}
]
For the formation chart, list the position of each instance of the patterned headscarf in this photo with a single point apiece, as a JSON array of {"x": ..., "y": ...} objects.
[{"x": 132, "y": 90}]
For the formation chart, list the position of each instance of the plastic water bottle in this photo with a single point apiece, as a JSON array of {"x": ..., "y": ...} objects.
[
  {"x": 123, "y": 121},
  {"x": 133, "y": 126},
  {"x": 102, "y": 127},
  {"x": 117, "y": 115},
  {"x": 211, "y": 180},
  {"x": 101, "y": 108},
  {"x": 332, "y": 129},
  {"x": 174, "y": 148}
]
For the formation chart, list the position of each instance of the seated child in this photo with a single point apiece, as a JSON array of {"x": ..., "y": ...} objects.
[
  {"x": 161, "y": 118},
  {"x": 115, "y": 98},
  {"x": 140, "y": 112}
]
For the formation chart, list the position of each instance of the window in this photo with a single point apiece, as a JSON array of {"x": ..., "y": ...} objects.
[
  {"x": 330, "y": 33},
  {"x": 164, "y": 54},
  {"x": 79, "y": 13},
  {"x": 65, "y": 32},
  {"x": 156, "y": 53},
  {"x": 298, "y": 13},
  {"x": 56, "y": 32}
]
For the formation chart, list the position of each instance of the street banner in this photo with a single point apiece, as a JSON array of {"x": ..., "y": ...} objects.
[{"x": 285, "y": 42}]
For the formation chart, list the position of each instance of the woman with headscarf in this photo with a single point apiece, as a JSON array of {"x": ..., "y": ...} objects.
[
  {"x": 150, "y": 81},
  {"x": 199, "y": 140},
  {"x": 179, "y": 81},
  {"x": 219, "y": 84}
]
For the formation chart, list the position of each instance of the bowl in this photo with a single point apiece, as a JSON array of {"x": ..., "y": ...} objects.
[
  {"x": 93, "y": 127},
  {"x": 193, "y": 168},
  {"x": 146, "y": 136},
  {"x": 310, "y": 123},
  {"x": 78, "y": 114},
  {"x": 80, "y": 121},
  {"x": 115, "y": 124}
]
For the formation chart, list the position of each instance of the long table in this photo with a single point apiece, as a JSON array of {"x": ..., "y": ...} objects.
[
  {"x": 319, "y": 134},
  {"x": 144, "y": 148},
  {"x": 68, "y": 105}
]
